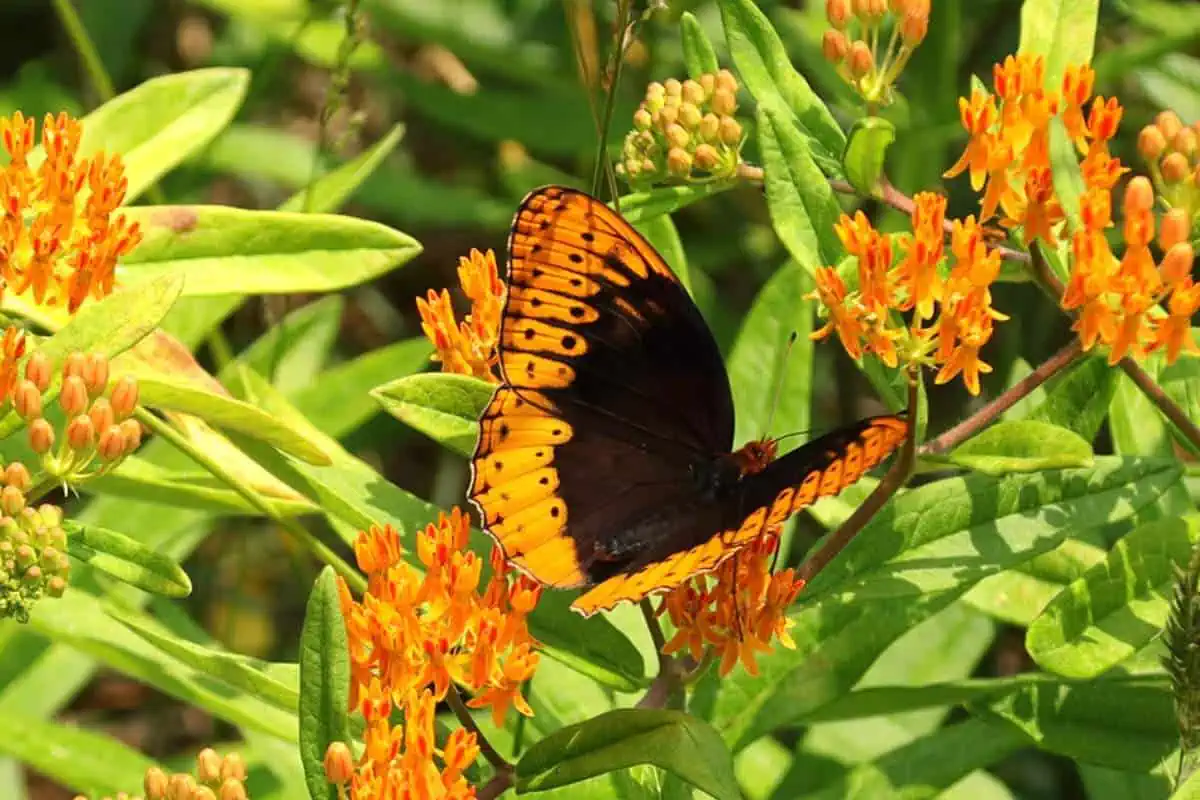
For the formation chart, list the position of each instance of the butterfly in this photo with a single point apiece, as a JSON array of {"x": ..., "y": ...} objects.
[{"x": 604, "y": 459}]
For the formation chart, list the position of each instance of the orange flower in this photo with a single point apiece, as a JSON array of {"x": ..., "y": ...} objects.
[
  {"x": 978, "y": 117},
  {"x": 467, "y": 347},
  {"x": 59, "y": 236},
  {"x": 1040, "y": 212},
  {"x": 414, "y": 636},
  {"x": 843, "y": 318}
]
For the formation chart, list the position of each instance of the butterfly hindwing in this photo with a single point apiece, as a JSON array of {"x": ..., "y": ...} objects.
[{"x": 613, "y": 387}]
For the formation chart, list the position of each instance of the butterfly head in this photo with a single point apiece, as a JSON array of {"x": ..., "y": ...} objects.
[{"x": 753, "y": 457}]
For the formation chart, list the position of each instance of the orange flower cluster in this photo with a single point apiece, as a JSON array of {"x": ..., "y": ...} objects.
[
  {"x": 412, "y": 636},
  {"x": 737, "y": 610},
  {"x": 959, "y": 305},
  {"x": 59, "y": 237},
  {"x": 467, "y": 347},
  {"x": 1172, "y": 152}
]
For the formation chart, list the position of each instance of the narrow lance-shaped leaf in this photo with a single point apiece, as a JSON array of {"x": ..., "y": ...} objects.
[
  {"x": 1063, "y": 31},
  {"x": 126, "y": 559},
  {"x": 698, "y": 51},
  {"x": 324, "y": 683},
  {"x": 1022, "y": 446},
  {"x": 444, "y": 407}
]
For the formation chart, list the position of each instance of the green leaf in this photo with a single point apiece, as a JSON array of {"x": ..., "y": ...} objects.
[
  {"x": 1022, "y": 446},
  {"x": 247, "y": 674},
  {"x": 1117, "y": 607},
  {"x": 640, "y": 207},
  {"x": 324, "y": 683},
  {"x": 1189, "y": 789},
  {"x": 660, "y": 231},
  {"x": 1063, "y": 31},
  {"x": 1079, "y": 399},
  {"x": 1136, "y": 425},
  {"x": 1181, "y": 383},
  {"x": 802, "y": 206},
  {"x": 75, "y": 757},
  {"x": 329, "y": 192},
  {"x": 765, "y": 360},
  {"x": 671, "y": 740},
  {"x": 1012, "y": 596},
  {"x": 698, "y": 51},
  {"x": 763, "y": 64},
  {"x": 126, "y": 559},
  {"x": 164, "y": 120},
  {"x": 866, "y": 151},
  {"x": 1064, "y": 170},
  {"x": 956, "y": 531},
  {"x": 220, "y": 250},
  {"x": 109, "y": 327},
  {"x": 295, "y": 348},
  {"x": 444, "y": 407},
  {"x": 1125, "y": 724}
]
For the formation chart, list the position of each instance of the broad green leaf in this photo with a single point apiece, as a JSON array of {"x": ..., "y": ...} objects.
[
  {"x": 1063, "y": 31},
  {"x": 329, "y": 192},
  {"x": 1079, "y": 399},
  {"x": 1022, "y": 446},
  {"x": 244, "y": 673},
  {"x": 324, "y": 683},
  {"x": 1181, "y": 382},
  {"x": 109, "y": 327},
  {"x": 220, "y": 250},
  {"x": 73, "y": 756},
  {"x": 803, "y": 208},
  {"x": 660, "y": 231},
  {"x": 76, "y": 619},
  {"x": 1125, "y": 724},
  {"x": 1064, "y": 169},
  {"x": 763, "y": 64},
  {"x": 866, "y": 149},
  {"x": 1137, "y": 427},
  {"x": 882, "y": 700},
  {"x": 126, "y": 559},
  {"x": 1117, "y": 607},
  {"x": 1189, "y": 789},
  {"x": 671, "y": 740},
  {"x": 698, "y": 51},
  {"x": 444, "y": 407},
  {"x": 639, "y": 207},
  {"x": 1012, "y": 596},
  {"x": 929, "y": 764},
  {"x": 162, "y": 121},
  {"x": 960, "y": 530},
  {"x": 769, "y": 372}
]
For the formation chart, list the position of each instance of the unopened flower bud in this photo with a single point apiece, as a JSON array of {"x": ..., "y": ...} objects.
[
  {"x": 12, "y": 500},
  {"x": 203, "y": 793},
  {"x": 693, "y": 92},
  {"x": 125, "y": 396},
  {"x": 339, "y": 763},
  {"x": 155, "y": 784},
  {"x": 679, "y": 163},
  {"x": 41, "y": 436},
  {"x": 1139, "y": 195},
  {"x": 677, "y": 136},
  {"x": 668, "y": 117},
  {"x": 81, "y": 433},
  {"x": 690, "y": 116},
  {"x": 1177, "y": 263},
  {"x": 1173, "y": 229},
  {"x": 27, "y": 400},
  {"x": 655, "y": 89},
  {"x": 706, "y": 157},
  {"x": 73, "y": 365},
  {"x": 33, "y": 576},
  {"x": 101, "y": 414},
  {"x": 37, "y": 370},
  {"x": 913, "y": 27},
  {"x": 1151, "y": 143},
  {"x": 73, "y": 397},
  {"x": 232, "y": 789},
  {"x": 861, "y": 62},
  {"x": 56, "y": 586},
  {"x": 95, "y": 373},
  {"x": 17, "y": 474},
  {"x": 1175, "y": 168},
  {"x": 730, "y": 132},
  {"x": 648, "y": 166},
  {"x": 1169, "y": 123},
  {"x": 208, "y": 765},
  {"x": 1185, "y": 142},
  {"x": 710, "y": 126},
  {"x": 726, "y": 81},
  {"x": 131, "y": 430},
  {"x": 834, "y": 46},
  {"x": 708, "y": 82},
  {"x": 724, "y": 102},
  {"x": 673, "y": 87},
  {"x": 112, "y": 443},
  {"x": 25, "y": 556},
  {"x": 642, "y": 120},
  {"x": 838, "y": 13},
  {"x": 233, "y": 766}
]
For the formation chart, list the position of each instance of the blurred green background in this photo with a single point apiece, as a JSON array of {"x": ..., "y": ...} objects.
[{"x": 492, "y": 103}]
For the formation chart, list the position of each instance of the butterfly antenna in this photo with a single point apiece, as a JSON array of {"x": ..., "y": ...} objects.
[{"x": 778, "y": 391}]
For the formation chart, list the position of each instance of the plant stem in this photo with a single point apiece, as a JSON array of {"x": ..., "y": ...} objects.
[
  {"x": 1019, "y": 390},
  {"x": 455, "y": 701},
  {"x": 352, "y": 577},
  {"x": 86, "y": 49},
  {"x": 497, "y": 786},
  {"x": 892, "y": 481}
]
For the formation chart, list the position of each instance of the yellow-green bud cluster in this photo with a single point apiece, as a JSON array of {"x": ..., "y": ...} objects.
[
  {"x": 33, "y": 549},
  {"x": 216, "y": 778},
  {"x": 1172, "y": 150},
  {"x": 684, "y": 130}
]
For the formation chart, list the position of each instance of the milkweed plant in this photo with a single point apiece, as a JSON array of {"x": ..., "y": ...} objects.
[{"x": 1008, "y": 254}]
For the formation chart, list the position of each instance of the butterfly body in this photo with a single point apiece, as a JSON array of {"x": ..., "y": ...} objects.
[{"x": 605, "y": 458}]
